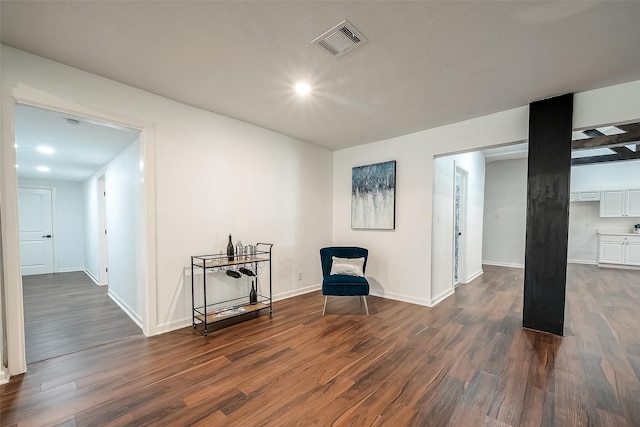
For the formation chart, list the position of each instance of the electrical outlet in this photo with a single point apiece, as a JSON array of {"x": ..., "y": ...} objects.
[{"x": 299, "y": 275}]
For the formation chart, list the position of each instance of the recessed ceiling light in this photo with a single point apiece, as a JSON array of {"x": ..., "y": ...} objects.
[
  {"x": 43, "y": 169},
  {"x": 303, "y": 88},
  {"x": 45, "y": 150},
  {"x": 16, "y": 165}
]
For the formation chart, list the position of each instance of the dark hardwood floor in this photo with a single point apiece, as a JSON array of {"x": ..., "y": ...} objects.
[
  {"x": 466, "y": 362},
  {"x": 67, "y": 312}
]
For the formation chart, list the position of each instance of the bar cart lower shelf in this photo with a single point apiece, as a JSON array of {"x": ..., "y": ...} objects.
[
  {"x": 216, "y": 317},
  {"x": 208, "y": 310}
]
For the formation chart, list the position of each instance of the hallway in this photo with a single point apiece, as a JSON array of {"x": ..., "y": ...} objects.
[{"x": 67, "y": 312}]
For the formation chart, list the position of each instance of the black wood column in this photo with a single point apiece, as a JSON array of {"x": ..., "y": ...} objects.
[{"x": 545, "y": 264}]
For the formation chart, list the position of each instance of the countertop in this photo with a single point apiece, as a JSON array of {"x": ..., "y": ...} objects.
[{"x": 617, "y": 233}]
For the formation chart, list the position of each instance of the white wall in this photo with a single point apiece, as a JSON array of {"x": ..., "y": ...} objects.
[
  {"x": 401, "y": 260},
  {"x": 606, "y": 176},
  {"x": 505, "y": 214},
  {"x": 68, "y": 225},
  {"x": 584, "y": 221},
  {"x": 124, "y": 223},
  {"x": 443, "y": 221},
  {"x": 584, "y": 217},
  {"x": 213, "y": 176},
  {"x": 124, "y": 215},
  {"x": 91, "y": 226},
  {"x": 400, "y": 263},
  {"x": 506, "y": 209}
]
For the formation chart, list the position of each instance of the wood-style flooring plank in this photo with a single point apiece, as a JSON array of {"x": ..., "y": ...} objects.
[
  {"x": 465, "y": 362},
  {"x": 67, "y": 312}
]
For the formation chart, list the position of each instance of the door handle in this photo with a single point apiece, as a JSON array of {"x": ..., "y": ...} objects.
[{"x": 48, "y": 236}]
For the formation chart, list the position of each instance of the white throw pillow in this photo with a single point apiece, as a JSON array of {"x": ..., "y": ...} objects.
[{"x": 347, "y": 266}]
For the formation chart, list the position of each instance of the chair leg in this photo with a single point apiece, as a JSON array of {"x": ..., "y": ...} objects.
[
  {"x": 366, "y": 307},
  {"x": 325, "y": 305}
]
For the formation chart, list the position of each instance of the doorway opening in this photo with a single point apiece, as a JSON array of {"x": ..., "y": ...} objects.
[
  {"x": 459, "y": 214},
  {"x": 456, "y": 252},
  {"x": 66, "y": 165}
]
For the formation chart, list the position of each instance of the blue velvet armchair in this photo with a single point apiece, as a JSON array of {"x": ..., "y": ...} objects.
[{"x": 344, "y": 282}]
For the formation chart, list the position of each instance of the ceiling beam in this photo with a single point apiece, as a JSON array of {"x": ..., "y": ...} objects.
[
  {"x": 621, "y": 150},
  {"x": 618, "y": 157},
  {"x": 632, "y": 135}
]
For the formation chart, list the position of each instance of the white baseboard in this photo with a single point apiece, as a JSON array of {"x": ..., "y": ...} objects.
[
  {"x": 442, "y": 297},
  {"x": 474, "y": 276},
  {"x": 581, "y": 261},
  {"x": 70, "y": 269},
  {"x": 4, "y": 375},
  {"x": 503, "y": 264},
  {"x": 125, "y": 307},
  {"x": 88, "y": 273},
  {"x": 295, "y": 292},
  {"x": 400, "y": 297},
  {"x": 173, "y": 325},
  {"x": 627, "y": 267},
  {"x": 510, "y": 265}
]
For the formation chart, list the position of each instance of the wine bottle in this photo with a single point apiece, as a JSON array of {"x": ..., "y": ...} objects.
[
  {"x": 230, "y": 249},
  {"x": 253, "y": 295}
]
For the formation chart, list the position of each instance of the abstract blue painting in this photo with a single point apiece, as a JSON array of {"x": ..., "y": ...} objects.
[{"x": 373, "y": 196}]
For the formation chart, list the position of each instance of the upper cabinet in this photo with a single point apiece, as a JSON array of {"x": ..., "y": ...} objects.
[
  {"x": 620, "y": 203},
  {"x": 584, "y": 196},
  {"x": 612, "y": 203},
  {"x": 633, "y": 203}
]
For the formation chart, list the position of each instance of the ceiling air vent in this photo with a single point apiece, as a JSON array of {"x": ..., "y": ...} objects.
[{"x": 340, "y": 39}]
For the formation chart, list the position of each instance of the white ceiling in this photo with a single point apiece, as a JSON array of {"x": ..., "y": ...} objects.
[
  {"x": 426, "y": 63},
  {"x": 521, "y": 150},
  {"x": 507, "y": 152},
  {"x": 79, "y": 150}
]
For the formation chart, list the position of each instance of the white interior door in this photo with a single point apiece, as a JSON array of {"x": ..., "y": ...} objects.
[{"x": 36, "y": 230}]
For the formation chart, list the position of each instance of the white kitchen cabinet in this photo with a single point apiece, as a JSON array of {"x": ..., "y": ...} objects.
[
  {"x": 633, "y": 253},
  {"x": 620, "y": 203},
  {"x": 633, "y": 203},
  {"x": 611, "y": 252},
  {"x": 619, "y": 249},
  {"x": 584, "y": 196}
]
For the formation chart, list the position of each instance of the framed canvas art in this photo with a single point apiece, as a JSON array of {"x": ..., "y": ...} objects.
[{"x": 373, "y": 196}]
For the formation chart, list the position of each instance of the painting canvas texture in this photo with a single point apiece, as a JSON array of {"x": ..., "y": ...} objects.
[{"x": 373, "y": 195}]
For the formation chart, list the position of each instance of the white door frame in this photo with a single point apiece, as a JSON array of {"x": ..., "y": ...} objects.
[
  {"x": 103, "y": 278},
  {"x": 4, "y": 373},
  {"x": 9, "y": 211},
  {"x": 462, "y": 242}
]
